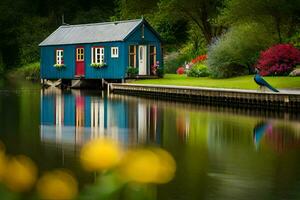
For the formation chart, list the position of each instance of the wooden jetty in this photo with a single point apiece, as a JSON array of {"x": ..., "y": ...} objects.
[{"x": 284, "y": 100}]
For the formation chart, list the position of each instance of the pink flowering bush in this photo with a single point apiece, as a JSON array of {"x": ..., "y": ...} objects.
[
  {"x": 180, "y": 70},
  {"x": 278, "y": 60}
]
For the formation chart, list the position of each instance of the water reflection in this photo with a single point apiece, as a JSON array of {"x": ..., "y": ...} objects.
[
  {"x": 277, "y": 136},
  {"x": 75, "y": 117},
  {"x": 221, "y": 153},
  {"x": 259, "y": 132}
]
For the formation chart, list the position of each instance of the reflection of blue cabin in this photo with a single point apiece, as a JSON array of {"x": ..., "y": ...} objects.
[
  {"x": 100, "y": 50},
  {"x": 69, "y": 118}
]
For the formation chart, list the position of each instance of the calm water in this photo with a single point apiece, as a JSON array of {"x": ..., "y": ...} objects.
[{"x": 220, "y": 153}]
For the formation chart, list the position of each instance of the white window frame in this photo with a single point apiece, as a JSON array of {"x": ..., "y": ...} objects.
[
  {"x": 114, "y": 52},
  {"x": 99, "y": 55},
  {"x": 59, "y": 56}
]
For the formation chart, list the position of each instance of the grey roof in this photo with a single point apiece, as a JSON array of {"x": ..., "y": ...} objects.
[{"x": 91, "y": 33}]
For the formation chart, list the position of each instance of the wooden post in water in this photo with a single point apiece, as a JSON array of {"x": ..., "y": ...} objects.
[
  {"x": 102, "y": 83},
  {"x": 108, "y": 85}
]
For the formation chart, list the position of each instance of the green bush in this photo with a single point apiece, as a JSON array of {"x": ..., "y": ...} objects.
[
  {"x": 186, "y": 54},
  {"x": 236, "y": 52},
  {"x": 198, "y": 70},
  {"x": 30, "y": 71},
  {"x": 160, "y": 72},
  {"x": 173, "y": 61},
  {"x": 294, "y": 39},
  {"x": 132, "y": 71}
]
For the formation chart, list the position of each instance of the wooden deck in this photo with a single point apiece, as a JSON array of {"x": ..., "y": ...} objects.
[{"x": 284, "y": 100}]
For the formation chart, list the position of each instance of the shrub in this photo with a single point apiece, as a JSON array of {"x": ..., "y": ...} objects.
[
  {"x": 160, "y": 72},
  {"x": 198, "y": 70},
  {"x": 280, "y": 59},
  {"x": 294, "y": 39},
  {"x": 30, "y": 71},
  {"x": 173, "y": 60},
  {"x": 180, "y": 70},
  {"x": 236, "y": 52},
  {"x": 132, "y": 71}
]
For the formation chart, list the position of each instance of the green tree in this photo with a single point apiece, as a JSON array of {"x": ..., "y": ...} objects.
[
  {"x": 283, "y": 16},
  {"x": 133, "y": 9},
  {"x": 200, "y": 13}
]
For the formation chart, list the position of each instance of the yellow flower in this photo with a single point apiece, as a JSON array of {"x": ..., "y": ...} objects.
[
  {"x": 100, "y": 154},
  {"x": 20, "y": 174},
  {"x": 3, "y": 161},
  {"x": 167, "y": 167},
  {"x": 58, "y": 185},
  {"x": 148, "y": 166},
  {"x": 140, "y": 166}
]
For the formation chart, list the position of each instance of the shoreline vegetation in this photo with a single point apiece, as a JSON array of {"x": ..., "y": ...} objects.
[
  {"x": 28, "y": 72},
  {"x": 32, "y": 72}
]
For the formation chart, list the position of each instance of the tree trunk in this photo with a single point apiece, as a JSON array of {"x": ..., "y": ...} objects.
[{"x": 278, "y": 28}]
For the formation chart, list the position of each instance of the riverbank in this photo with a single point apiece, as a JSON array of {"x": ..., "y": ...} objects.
[
  {"x": 241, "y": 82},
  {"x": 284, "y": 100},
  {"x": 29, "y": 72}
]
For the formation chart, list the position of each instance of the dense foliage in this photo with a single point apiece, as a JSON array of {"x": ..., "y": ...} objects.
[
  {"x": 30, "y": 72},
  {"x": 236, "y": 52},
  {"x": 132, "y": 71},
  {"x": 25, "y": 23},
  {"x": 232, "y": 31},
  {"x": 282, "y": 17},
  {"x": 280, "y": 59},
  {"x": 198, "y": 70}
]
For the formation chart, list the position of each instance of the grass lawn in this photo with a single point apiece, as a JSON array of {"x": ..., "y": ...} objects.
[{"x": 242, "y": 82}]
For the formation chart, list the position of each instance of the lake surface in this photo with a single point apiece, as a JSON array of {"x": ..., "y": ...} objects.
[{"x": 221, "y": 153}]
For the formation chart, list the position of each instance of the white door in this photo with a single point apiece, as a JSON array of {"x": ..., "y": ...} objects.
[{"x": 143, "y": 60}]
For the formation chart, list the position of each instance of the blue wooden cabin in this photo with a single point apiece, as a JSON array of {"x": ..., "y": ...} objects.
[{"x": 100, "y": 50}]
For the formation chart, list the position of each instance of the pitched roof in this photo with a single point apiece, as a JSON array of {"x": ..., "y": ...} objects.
[{"x": 91, "y": 33}]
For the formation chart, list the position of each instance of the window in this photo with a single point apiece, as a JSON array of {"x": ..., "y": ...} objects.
[
  {"x": 115, "y": 52},
  {"x": 152, "y": 55},
  {"x": 97, "y": 55},
  {"x": 59, "y": 56},
  {"x": 132, "y": 56},
  {"x": 80, "y": 54}
]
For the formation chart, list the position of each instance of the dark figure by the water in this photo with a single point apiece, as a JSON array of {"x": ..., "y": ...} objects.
[{"x": 262, "y": 83}]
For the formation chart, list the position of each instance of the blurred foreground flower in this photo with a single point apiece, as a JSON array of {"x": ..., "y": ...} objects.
[
  {"x": 100, "y": 154},
  {"x": 3, "y": 161},
  {"x": 148, "y": 166},
  {"x": 20, "y": 174},
  {"x": 58, "y": 185}
]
